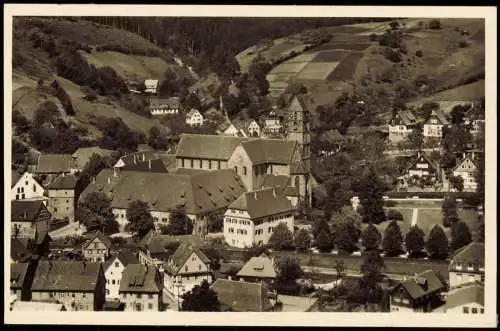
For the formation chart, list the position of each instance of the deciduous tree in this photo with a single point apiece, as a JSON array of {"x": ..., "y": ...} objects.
[
  {"x": 370, "y": 192},
  {"x": 139, "y": 218},
  {"x": 201, "y": 298},
  {"x": 179, "y": 223},
  {"x": 282, "y": 238},
  {"x": 346, "y": 236},
  {"x": 289, "y": 270},
  {"x": 302, "y": 240}
]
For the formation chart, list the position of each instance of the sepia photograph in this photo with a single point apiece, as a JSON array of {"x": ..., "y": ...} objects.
[{"x": 205, "y": 164}]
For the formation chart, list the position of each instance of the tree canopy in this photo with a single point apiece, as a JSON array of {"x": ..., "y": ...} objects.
[
  {"x": 282, "y": 238},
  {"x": 460, "y": 235},
  {"x": 393, "y": 239},
  {"x": 370, "y": 192},
  {"x": 437, "y": 244},
  {"x": 302, "y": 240},
  {"x": 289, "y": 270},
  {"x": 139, "y": 218},
  {"x": 346, "y": 236},
  {"x": 201, "y": 298},
  {"x": 179, "y": 223},
  {"x": 371, "y": 237},
  {"x": 414, "y": 241}
]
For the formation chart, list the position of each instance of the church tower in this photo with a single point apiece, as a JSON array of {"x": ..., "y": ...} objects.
[{"x": 297, "y": 128}]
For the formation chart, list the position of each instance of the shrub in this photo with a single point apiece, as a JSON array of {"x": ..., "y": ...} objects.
[
  {"x": 435, "y": 24},
  {"x": 392, "y": 55},
  {"x": 63, "y": 97},
  {"x": 373, "y": 37},
  {"x": 390, "y": 203},
  {"x": 462, "y": 44},
  {"x": 419, "y": 53}
]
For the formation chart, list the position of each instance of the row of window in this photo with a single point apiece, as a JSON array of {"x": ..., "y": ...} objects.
[
  {"x": 244, "y": 170},
  {"x": 215, "y": 165},
  {"x": 55, "y": 209},
  {"x": 113, "y": 281},
  {"x": 55, "y": 201},
  {"x": 137, "y": 295},
  {"x": 195, "y": 277},
  {"x": 236, "y": 221},
  {"x": 397, "y": 299},
  {"x": 65, "y": 294}
]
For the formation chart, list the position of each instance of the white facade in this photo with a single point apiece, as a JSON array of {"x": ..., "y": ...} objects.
[
  {"x": 468, "y": 308},
  {"x": 231, "y": 131},
  {"x": 459, "y": 278},
  {"x": 159, "y": 217},
  {"x": 113, "y": 275},
  {"x": 163, "y": 110},
  {"x": 399, "y": 133},
  {"x": 241, "y": 231},
  {"x": 254, "y": 129},
  {"x": 466, "y": 169},
  {"x": 433, "y": 128},
  {"x": 26, "y": 188},
  {"x": 151, "y": 85},
  {"x": 272, "y": 125},
  {"x": 192, "y": 273},
  {"x": 194, "y": 118}
]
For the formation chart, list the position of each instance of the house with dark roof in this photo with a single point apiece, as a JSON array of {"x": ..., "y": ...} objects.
[
  {"x": 19, "y": 251},
  {"x": 132, "y": 160},
  {"x": 401, "y": 125},
  {"x": 285, "y": 184},
  {"x": 28, "y": 216},
  {"x": 49, "y": 166},
  {"x": 433, "y": 127},
  {"x": 141, "y": 288},
  {"x": 420, "y": 169},
  {"x": 251, "y": 218},
  {"x": 195, "y": 194},
  {"x": 78, "y": 285},
  {"x": 208, "y": 152},
  {"x": 156, "y": 249},
  {"x": 465, "y": 300},
  {"x": 113, "y": 272},
  {"x": 61, "y": 193},
  {"x": 25, "y": 187},
  {"x": 465, "y": 169},
  {"x": 96, "y": 247},
  {"x": 467, "y": 265},
  {"x": 21, "y": 278},
  {"x": 258, "y": 269},
  {"x": 169, "y": 106},
  {"x": 185, "y": 269},
  {"x": 194, "y": 118},
  {"x": 238, "y": 296},
  {"x": 421, "y": 293},
  {"x": 83, "y": 154}
]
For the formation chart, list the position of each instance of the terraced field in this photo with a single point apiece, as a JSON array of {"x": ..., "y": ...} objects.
[{"x": 347, "y": 67}]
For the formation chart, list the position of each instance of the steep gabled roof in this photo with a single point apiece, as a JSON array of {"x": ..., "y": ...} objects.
[
  {"x": 25, "y": 210},
  {"x": 132, "y": 159},
  {"x": 461, "y": 162},
  {"x": 63, "y": 182},
  {"x": 193, "y": 112},
  {"x": 261, "y": 203},
  {"x": 426, "y": 158},
  {"x": 170, "y": 102},
  {"x": 472, "y": 253},
  {"x": 140, "y": 278},
  {"x": 439, "y": 115},
  {"x": 416, "y": 290},
  {"x": 407, "y": 117},
  {"x": 242, "y": 296},
  {"x": 275, "y": 151},
  {"x": 99, "y": 235},
  {"x": 464, "y": 296},
  {"x": 261, "y": 267},
  {"x": 82, "y": 155},
  {"x": 157, "y": 243},
  {"x": 54, "y": 163},
  {"x": 66, "y": 276},
  {"x": 181, "y": 254},
  {"x": 15, "y": 178},
  {"x": 201, "y": 146}
]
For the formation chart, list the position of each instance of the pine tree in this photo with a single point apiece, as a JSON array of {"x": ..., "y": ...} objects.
[
  {"x": 139, "y": 218},
  {"x": 324, "y": 242},
  {"x": 319, "y": 226},
  {"x": 437, "y": 244},
  {"x": 371, "y": 237},
  {"x": 449, "y": 210},
  {"x": 393, "y": 239},
  {"x": 460, "y": 235},
  {"x": 414, "y": 241},
  {"x": 371, "y": 191},
  {"x": 302, "y": 240}
]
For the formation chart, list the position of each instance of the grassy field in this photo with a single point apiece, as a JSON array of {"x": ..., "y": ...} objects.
[
  {"x": 345, "y": 45},
  {"x": 317, "y": 70},
  {"x": 468, "y": 92},
  {"x": 326, "y": 56},
  {"x": 129, "y": 67}
]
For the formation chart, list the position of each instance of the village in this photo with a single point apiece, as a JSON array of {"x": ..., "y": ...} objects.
[{"x": 255, "y": 215}]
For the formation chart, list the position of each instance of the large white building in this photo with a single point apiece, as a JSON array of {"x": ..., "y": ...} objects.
[
  {"x": 433, "y": 127},
  {"x": 250, "y": 219},
  {"x": 113, "y": 269}
]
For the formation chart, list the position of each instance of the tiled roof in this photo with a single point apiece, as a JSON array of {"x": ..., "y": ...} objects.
[
  {"x": 25, "y": 210},
  {"x": 463, "y": 296},
  {"x": 459, "y": 163},
  {"x": 54, "y": 163},
  {"x": 258, "y": 267},
  {"x": 275, "y": 151},
  {"x": 156, "y": 243},
  {"x": 97, "y": 234},
  {"x": 407, "y": 117},
  {"x": 64, "y": 182},
  {"x": 242, "y": 296},
  {"x": 140, "y": 278},
  {"x": 18, "y": 250},
  {"x": 165, "y": 192},
  {"x": 137, "y": 157},
  {"x": 332, "y": 136},
  {"x": 182, "y": 253},
  {"x": 272, "y": 180},
  {"x": 472, "y": 253},
  {"x": 439, "y": 114},
  {"x": 18, "y": 273},
  {"x": 261, "y": 203},
  {"x": 207, "y": 146},
  {"x": 416, "y": 290},
  {"x": 414, "y": 161},
  {"x": 66, "y": 276},
  {"x": 83, "y": 155}
]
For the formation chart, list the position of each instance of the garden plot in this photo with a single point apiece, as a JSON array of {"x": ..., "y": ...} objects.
[
  {"x": 317, "y": 70},
  {"x": 347, "y": 67},
  {"x": 306, "y": 58},
  {"x": 288, "y": 67},
  {"x": 329, "y": 56}
]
